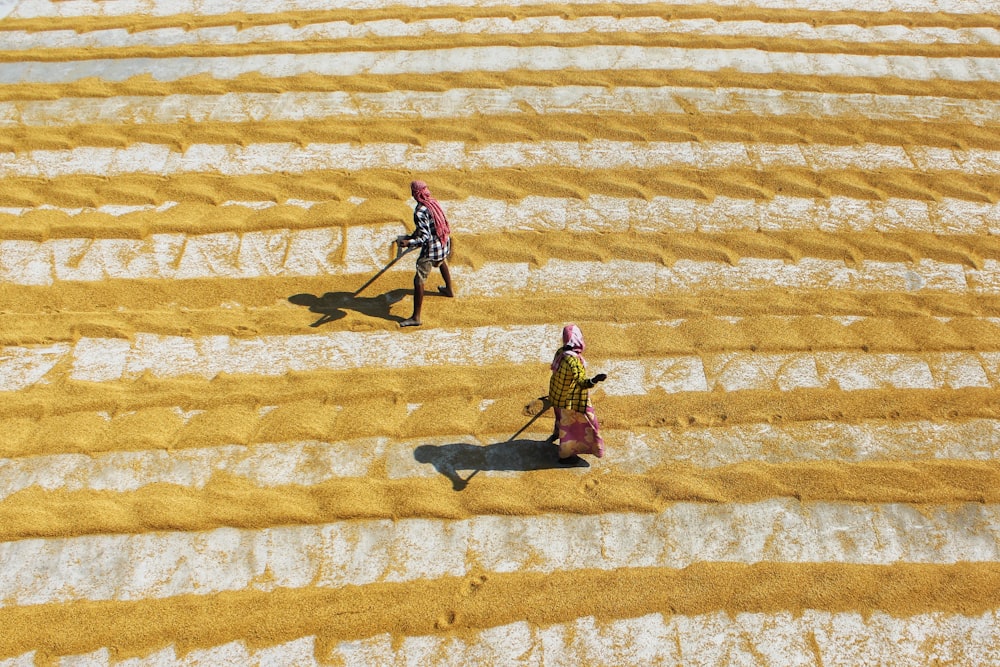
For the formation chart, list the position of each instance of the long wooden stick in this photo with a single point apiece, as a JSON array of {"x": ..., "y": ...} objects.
[{"x": 399, "y": 253}]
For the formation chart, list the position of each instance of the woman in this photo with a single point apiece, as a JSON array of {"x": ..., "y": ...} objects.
[{"x": 576, "y": 425}]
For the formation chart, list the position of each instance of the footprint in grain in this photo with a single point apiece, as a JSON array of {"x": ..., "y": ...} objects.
[
  {"x": 446, "y": 620},
  {"x": 472, "y": 584},
  {"x": 590, "y": 484}
]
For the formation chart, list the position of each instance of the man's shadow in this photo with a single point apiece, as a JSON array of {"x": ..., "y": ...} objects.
[
  {"x": 332, "y": 306},
  {"x": 512, "y": 454}
]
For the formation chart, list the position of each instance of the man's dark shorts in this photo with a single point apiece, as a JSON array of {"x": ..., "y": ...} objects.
[{"x": 424, "y": 266}]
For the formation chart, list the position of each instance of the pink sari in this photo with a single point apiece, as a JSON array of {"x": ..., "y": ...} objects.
[{"x": 579, "y": 433}]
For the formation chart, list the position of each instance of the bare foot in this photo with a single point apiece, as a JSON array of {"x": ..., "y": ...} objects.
[
  {"x": 444, "y": 291},
  {"x": 410, "y": 322}
]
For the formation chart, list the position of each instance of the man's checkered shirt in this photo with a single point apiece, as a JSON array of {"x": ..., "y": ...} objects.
[{"x": 425, "y": 236}]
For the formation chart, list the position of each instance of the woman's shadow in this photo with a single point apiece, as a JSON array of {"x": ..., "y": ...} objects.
[
  {"x": 512, "y": 454},
  {"x": 332, "y": 306}
]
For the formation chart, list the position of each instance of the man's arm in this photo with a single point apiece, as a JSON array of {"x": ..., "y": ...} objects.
[{"x": 422, "y": 233}]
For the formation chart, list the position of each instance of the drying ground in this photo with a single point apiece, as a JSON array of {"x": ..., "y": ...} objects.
[{"x": 775, "y": 223}]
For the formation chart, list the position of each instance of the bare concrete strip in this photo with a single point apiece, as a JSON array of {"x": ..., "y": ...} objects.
[
  {"x": 274, "y": 158},
  {"x": 602, "y": 213},
  {"x": 708, "y": 640},
  {"x": 280, "y": 252},
  {"x": 504, "y": 58},
  {"x": 464, "y": 102},
  {"x": 164, "y": 356},
  {"x": 21, "y": 367},
  {"x": 103, "y": 360},
  {"x": 629, "y": 278},
  {"x": 362, "y": 250},
  {"x": 70, "y": 8},
  {"x": 845, "y": 35}
]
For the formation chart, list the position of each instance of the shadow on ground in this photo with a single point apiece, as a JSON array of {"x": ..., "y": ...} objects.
[
  {"x": 513, "y": 454},
  {"x": 333, "y": 306},
  {"x": 524, "y": 455}
]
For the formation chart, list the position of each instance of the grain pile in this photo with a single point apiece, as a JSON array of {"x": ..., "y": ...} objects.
[{"x": 775, "y": 222}]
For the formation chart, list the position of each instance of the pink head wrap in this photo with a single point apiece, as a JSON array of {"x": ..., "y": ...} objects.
[
  {"x": 572, "y": 345},
  {"x": 423, "y": 196}
]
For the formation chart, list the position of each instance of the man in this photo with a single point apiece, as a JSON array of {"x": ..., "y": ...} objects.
[{"x": 433, "y": 235}]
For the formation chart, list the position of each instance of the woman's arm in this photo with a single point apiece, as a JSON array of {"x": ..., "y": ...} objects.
[{"x": 579, "y": 372}]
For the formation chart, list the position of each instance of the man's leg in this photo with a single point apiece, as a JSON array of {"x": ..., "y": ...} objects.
[
  {"x": 418, "y": 302},
  {"x": 446, "y": 274}
]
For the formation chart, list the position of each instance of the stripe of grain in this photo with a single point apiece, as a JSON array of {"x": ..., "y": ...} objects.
[
  {"x": 230, "y": 311},
  {"x": 571, "y": 40},
  {"x": 324, "y": 406},
  {"x": 496, "y": 599},
  {"x": 636, "y": 451},
  {"x": 230, "y": 160},
  {"x": 162, "y": 565},
  {"x": 234, "y": 502},
  {"x": 145, "y": 22},
  {"x": 341, "y": 30},
  {"x": 236, "y": 410},
  {"x": 940, "y": 320},
  {"x": 502, "y": 58}
]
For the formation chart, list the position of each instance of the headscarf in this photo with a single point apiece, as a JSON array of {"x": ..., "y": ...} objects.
[
  {"x": 423, "y": 196},
  {"x": 572, "y": 345}
]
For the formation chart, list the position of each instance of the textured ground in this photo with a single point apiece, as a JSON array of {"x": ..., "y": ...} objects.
[{"x": 775, "y": 221}]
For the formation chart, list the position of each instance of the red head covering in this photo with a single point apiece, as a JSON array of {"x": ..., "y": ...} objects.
[
  {"x": 572, "y": 345},
  {"x": 423, "y": 196}
]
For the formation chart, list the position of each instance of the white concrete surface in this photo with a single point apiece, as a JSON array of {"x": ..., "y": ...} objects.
[
  {"x": 503, "y": 58},
  {"x": 285, "y": 158},
  {"x": 70, "y": 8},
  {"x": 114, "y": 359},
  {"x": 845, "y": 35},
  {"x": 467, "y": 102},
  {"x": 319, "y": 252},
  {"x": 843, "y": 639}
]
